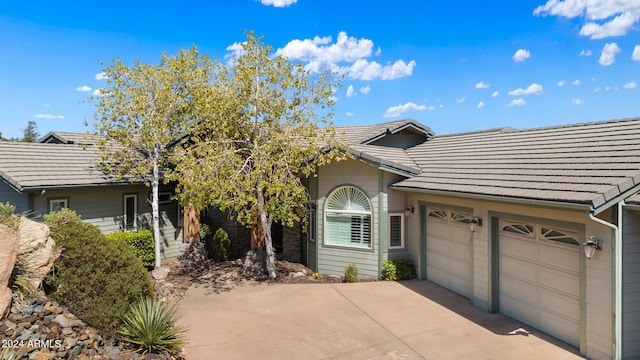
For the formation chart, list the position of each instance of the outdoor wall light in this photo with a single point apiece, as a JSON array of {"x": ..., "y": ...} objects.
[
  {"x": 590, "y": 247},
  {"x": 408, "y": 211},
  {"x": 475, "y": 222}
]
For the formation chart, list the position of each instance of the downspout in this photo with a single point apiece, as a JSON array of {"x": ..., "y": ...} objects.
[{"x": 617, "y": 329}]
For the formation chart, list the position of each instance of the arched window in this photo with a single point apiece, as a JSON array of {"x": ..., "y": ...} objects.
[{"x": 348, "y": 218}]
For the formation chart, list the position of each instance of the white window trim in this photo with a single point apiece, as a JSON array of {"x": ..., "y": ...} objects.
[
  {"x": 362, "y": 245},
  {"x": 402, "y": 242},
  {"x": 162, "y": 194},
  {"x": 65, "y": 202},
  {"x": 313, "y": 224}
]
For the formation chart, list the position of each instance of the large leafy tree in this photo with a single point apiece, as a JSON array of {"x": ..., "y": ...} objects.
[
  {"x": 267, "y": 126},
  {"x": 30, "y": 133},
  {"x": 142, "y": 110}
]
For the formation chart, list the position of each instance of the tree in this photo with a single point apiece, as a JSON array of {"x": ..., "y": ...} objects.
[
  {"x": 267, "y": 126},
  {"x": 30, "y": 133},
  {"x": 142, "y": 110}
]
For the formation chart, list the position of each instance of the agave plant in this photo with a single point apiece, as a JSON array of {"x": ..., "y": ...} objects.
[{"x": 151, "y": 325}]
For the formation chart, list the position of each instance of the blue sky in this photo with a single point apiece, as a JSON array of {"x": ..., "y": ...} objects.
[{"x": 453, "y": 65}]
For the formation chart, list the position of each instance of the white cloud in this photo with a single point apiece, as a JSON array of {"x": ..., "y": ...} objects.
[
  {"x": 346, "y": 56},
  {"x": 576, "y": 82},
  {"x": 350, "y": 91},
  {"x": 83, "y": 88},
  {"x": 608, "y": 55},
  {"x": 521, "y": 55},
  {"x": 48, "y": 116},
  {"x": 597, "y": 90},
  {"x": 629, "y": 85},
  {"x": 379, "y": 51},
  {"x": 349, "y": 114},
  {"x": 101, "y": 76},
  {"x": 431, "y": 108},
  {"x": 577, "y": 101},
  {"x": 607, "y": 88},
  {"x": 561, "y": 83},
  {"x": 460, "y": 100},
  {"x": 495, "y": 94},
  {"x": 604, "y": 18},
  {"x": 482, "y": 85},
  {"x": 533, "y": 89},
  {"x": 586, "y": 53},
  {"x": 480, "y": 105},
  {"x": 636, "y": 53},
  {"x": 517, "y": 102},
  {"x": 398, "y": 110},
  {"x": 96, "y": 92},
  {"x": 278, "y": 3},
  {"x": 365, "y": 89}
]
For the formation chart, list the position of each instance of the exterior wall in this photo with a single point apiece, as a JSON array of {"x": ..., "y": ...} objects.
[
  {"x": 598, "y": 289},
  {"x": 311, "y": 239},
  {"x": 292, "y": 243},
  {"x": 103, "y": 207},
  {"x": 631, "y": 285},
  {"x": 397, "y": 203},
  {"x": 8, "y": 194},
  {"x": 240, "y": 235},
  {"x": 332, "y": 259}
]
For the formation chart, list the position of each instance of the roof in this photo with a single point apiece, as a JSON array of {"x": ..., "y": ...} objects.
[
  {"x": 590, "y": 163},
  {"x": 392, "y": 159},
  {"x": 62, "y": 137},
  {"x": 364, "y": 134},
  {"x": 35, "y": 166}
]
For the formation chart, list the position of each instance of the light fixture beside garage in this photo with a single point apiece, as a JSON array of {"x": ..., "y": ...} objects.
[
  {"x": 590, "y": 247},
  {"x": 408, "y": 211},
  {"x": 474, "y": 223}
]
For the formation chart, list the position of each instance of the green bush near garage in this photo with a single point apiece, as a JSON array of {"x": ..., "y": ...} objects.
[
  {"x": 398, "y": 269},
  {"x": 142, "y": 243}
]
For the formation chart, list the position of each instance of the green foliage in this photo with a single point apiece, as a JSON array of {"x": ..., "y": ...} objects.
[
  {"x": 398, "y": 269},
  {"x": 315, "y": 276},
  {"x": 142, "y": 243},
  {"x": 30, "y": 133},
  {"x": 351, "y": 273},
  {"x": 96, "y": 278},
  {"x": 7, "y": 217},
  {"x": 9, "y": 353},
  {"x": 205, "y": 231},
  {"x": 220, "y": 245},
  {"x": 151, "y": 325}
]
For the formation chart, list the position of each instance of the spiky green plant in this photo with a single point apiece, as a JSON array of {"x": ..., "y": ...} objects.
[
  {"x": 8, "y": 353},
  {"x": 151, "y": 325}
]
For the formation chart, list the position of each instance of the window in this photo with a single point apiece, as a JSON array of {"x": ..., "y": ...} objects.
[
  {"x": 164, "y": 197},
  {"x": 130, "y": 212},
  {"x": 312, "y": 225},
  {"x": 58, "y": 204},
  {"x": 348, "y": 218},
  {"x": 396, "y": 231}
]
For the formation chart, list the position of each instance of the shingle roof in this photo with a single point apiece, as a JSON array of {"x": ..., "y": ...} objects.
[
  {"x": 590, "y": 163},
  {"x": 362, "y": 134},
  {"x": 64, "y": 137},
  {"x": 35, "y": 166},
  {"x": 387, "y": 157}
]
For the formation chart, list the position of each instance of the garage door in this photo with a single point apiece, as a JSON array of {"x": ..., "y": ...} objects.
[
  {"x": 449, "y": 249},
  {"x": 540, "y": 278}
]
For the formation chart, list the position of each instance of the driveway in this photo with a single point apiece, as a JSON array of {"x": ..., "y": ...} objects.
[{"x": 368, "y": 320}]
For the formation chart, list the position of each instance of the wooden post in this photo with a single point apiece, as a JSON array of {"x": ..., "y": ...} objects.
[{"x": 191, "y": 224}]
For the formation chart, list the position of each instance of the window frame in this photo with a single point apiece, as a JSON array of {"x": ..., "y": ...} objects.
[
  {"x": 402, "y": 241},
  {"x": 365, "y": 244},
  {"x": 50, "y": 201},
  {"x": 133, "y": 196}
]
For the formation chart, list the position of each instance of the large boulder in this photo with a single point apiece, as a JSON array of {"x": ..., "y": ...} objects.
[
  {"x": 37, "y": 250},
  {"x": 9, "y": 246}
]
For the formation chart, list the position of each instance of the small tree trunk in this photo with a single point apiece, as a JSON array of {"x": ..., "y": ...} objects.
[
  {"x": 155, "y": 211},
  {"x": 266, "y": 230},
  {"x": 257, "y": 233}
]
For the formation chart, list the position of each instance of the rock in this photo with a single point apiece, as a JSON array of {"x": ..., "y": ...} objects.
[
  {"x": 10, "y": 325},
  {"x": 41, "y": 355},
  {"x": 299, "y": 273},
  {"x": 37, "y": 250},
  {"x": 25, "y": 325},
  {"x": 70, "y": 342},
  {"x": 160, "y": 273},
  {"x": 67, "y": 331},
  {"x": 9, "y": 247},
  {"x": 65, "y": 322},
  {"x": 52, "y": 307}
]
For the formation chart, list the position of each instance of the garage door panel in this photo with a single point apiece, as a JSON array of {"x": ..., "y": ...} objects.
[
  {"x": 518, "y": 289},
  {"x": 518, "y": 309},
  {"x": 559, "y": 257},
  {"x": 561, "y": 282},
  {"x": 559, "y": 305},
  {"x": 460, "y": 251},
  {"x": 557, "y": 326},
  {"x": 437, "y": 260},
  {"x": 519, "y": 269},
  {"x": 519, "y": 248},
  {"x": 436, "y": 230},
  {"x": 460, "y": 269}
]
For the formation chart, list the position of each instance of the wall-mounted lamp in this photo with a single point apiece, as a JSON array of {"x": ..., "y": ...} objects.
[
  {"x": 408, "y": 211},
  {"x": 590, "y": 247},
  {"x": 475, "y": 222}
]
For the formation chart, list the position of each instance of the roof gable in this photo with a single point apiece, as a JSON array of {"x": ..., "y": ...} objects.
[{"x": 379, "y": 134}]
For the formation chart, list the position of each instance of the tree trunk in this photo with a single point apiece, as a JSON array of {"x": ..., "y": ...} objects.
[
  {"x": 155, "y": 211},
  {"x": 266, "y": 229},
  {"x": 257, "y": 233}
]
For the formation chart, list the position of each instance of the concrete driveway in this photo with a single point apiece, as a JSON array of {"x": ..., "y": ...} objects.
[{"x": 369, "y": 320}]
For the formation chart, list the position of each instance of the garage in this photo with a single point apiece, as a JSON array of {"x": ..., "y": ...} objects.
[
  {"x": 449, "y": 249},
  {"x": 539, "y": 277}
]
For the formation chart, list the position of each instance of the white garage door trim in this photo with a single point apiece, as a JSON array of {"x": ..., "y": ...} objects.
[
  {"x": 449, "y": 260},
  {"x": 541, "y": 239}
]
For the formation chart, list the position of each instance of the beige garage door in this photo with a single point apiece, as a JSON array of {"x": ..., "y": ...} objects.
[
  {"x": 449, "y": 249},
  {"x": 540, "y": 278}
]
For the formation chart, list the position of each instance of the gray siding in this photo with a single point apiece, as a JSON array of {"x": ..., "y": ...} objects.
[
  {"x": 331, "y": 259},
  {"x": 631, "y": 286},
  {"x": 103, "y": 207},
  {"x": 8, "y": 194}
]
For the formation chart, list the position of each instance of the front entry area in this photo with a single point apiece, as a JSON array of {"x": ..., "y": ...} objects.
[{"x": 539, "y": 277}]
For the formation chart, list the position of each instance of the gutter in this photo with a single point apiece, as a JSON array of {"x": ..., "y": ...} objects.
[{"x": 617, "y": 290}]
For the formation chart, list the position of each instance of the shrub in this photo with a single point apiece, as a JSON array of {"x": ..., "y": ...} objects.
[
  {"x": 220, "y": 245},
  {"x": 151, "y": 325},
  {"x": 7, "y": 217},
  {"x": 142, "y": 243},
  {"x": 96, "y": 278},
  {"x": 205, "y": 231},
  {"x": 351, "y": 273},
  {"x": 315, "y": 276},
  {"x": 398, "y": 269}
]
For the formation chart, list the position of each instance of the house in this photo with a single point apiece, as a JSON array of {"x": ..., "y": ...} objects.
[
  {"x": 503, "y": 217},
  {"x": 60, "y": 172}
]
